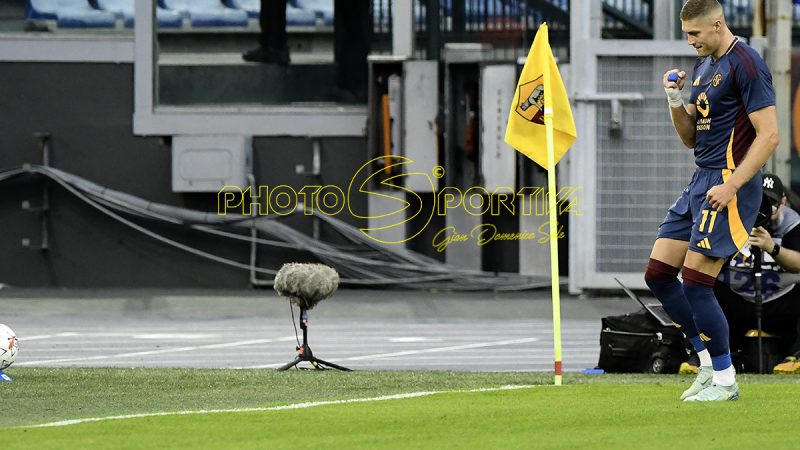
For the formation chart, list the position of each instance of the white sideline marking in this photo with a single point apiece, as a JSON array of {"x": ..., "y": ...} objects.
[
  {"x": 443, "y": 349},
  {"x": 417, "y": 352},
  {"x": 173, "y": 336},
  {"x": 304, "y": 405},
  {"x": 47, "y": 336},
  {"x": 156, "y": 352},
  {"x": 412, "y": 339}
]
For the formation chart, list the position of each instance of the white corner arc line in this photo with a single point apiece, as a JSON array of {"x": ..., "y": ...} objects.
[{"x": 303, "y": 405}]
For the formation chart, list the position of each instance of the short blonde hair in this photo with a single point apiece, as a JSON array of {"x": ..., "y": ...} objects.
[{"x": 693, "y": 9}]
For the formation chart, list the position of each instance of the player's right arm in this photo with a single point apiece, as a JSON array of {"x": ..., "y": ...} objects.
[{"x": 683, "y": 116}]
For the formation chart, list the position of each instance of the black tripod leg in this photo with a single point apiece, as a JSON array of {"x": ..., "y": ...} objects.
[
  {"x": 291, "y": 364},
  {"x": 335, "y": 366}
]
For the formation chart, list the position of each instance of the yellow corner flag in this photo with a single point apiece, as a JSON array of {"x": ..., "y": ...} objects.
[
  {"x": 540, "y": 126},
  {"x": 526, "y": 130}
]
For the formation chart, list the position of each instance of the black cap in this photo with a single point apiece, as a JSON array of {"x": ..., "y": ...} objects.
[{"x": 773, "y": 188}]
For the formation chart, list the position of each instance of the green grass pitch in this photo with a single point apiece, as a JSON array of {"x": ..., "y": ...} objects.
[{"x": 588, "y": 411}]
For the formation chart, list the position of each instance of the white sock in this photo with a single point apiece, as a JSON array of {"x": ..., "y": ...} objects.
[
  {"x": 725, "y": 377},
  {"x": 705, "y": 358}
]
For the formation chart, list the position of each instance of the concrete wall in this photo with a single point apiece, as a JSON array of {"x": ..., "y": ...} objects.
[{"x": 88, "y": 110}]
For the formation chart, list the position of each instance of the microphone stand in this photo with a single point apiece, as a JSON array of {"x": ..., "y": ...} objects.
[
  {"x": 304, "y": 351},
  {"x": 759, "y": 303}
]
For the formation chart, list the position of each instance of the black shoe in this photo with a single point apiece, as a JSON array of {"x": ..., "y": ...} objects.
[{"x": 267, "y": 56}]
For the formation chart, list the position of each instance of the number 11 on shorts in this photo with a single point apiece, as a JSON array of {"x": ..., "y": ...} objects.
[{"x": 713, "y": 215}]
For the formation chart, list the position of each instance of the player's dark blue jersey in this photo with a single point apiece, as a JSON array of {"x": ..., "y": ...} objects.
[{"x": 725, "y": 91}]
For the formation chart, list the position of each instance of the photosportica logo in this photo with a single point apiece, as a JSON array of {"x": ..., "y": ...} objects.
[{"x": 410, "y": 207}]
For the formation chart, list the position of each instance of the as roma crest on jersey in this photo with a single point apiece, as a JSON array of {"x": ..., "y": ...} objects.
[{"x": 530, "y": 103}]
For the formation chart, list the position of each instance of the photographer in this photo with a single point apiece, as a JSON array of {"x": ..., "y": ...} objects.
[{"x": 778, "y": 236}]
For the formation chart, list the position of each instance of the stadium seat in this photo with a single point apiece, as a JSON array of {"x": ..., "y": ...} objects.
[
  {"x": 294, "y": 16},
  {"x": 124, "y": 9},
  {"x": 79, "y": 14},
  {"x": 41, "y": 9},
  {"x": 207, "y": 13},
  {"x": 251, "y": 7},
  {"x": 298, "y": 16},
  {"x": 69, "y": 13},
  {"x": 322, "y": 8}
]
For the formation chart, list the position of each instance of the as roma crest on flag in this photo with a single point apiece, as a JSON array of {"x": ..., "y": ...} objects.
[{"x": 530, "y": 103}]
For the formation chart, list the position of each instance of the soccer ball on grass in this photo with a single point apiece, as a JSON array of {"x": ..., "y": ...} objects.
[{"x": 9, "y": 347}]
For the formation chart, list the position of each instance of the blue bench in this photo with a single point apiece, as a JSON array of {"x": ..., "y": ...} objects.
[
  {"x": 69, "y": 13},
  {"x": 294, "y": 16},
  {"x": 322, "y": 8},
  {"x": 41, "y": 9},
  {"x": 124, "y": 9},
  {"x": 207, "y": 13}
]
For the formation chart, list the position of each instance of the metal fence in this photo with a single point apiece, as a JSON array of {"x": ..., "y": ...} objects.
[
  {"x": 639, "y": 172},
  {"x": 511, "y": 24},
  {"x": 506, "y": 24}
]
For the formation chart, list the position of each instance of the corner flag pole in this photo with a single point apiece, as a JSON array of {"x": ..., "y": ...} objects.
[
  {"x": 552, "y": 206},
  {"x": 541, "y": 90}
]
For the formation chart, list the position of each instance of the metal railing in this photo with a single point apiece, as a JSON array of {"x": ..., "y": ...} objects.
[
  {"x": 506, "y": 24},
  {"x": 511, "y": 24}
]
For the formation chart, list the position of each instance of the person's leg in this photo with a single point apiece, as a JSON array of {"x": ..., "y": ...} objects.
[
  {"x": 717, "y": 235},
  {"x": 738, "y": 312},
  {"x": 273, "y": 42},
  {"x": 666, "y": 260},
  {"x": 352, "y": 28},
  {"x": 699, "y": 275},
  {"x": 263, "y": 22},
  {"x": 273, "y": 26},
  {"x": 661, "y": 277}
]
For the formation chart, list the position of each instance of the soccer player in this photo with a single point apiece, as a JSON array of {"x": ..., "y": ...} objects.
[{"x": 731, "y": 124}]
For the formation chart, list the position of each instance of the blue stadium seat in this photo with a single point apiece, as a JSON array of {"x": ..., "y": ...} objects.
[
  {"x": 294, "y": 15},
  {"x": 322, "y": 8},
  {"x": 124, "y": 9},
  {"x": 207, "y": 13},
  {"x": 79, "y": 14},
  {"x": 41, "y": 9},
  {"x": 251, "y": 7},
  {"x": 69, "y": 13},
  {"x": 299, "y": 16}
]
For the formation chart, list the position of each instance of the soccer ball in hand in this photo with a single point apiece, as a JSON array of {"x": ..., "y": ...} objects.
[{"x": 9, "y": 347}]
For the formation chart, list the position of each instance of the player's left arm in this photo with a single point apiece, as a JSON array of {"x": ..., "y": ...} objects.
[{"x": 765, "y": 122}]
